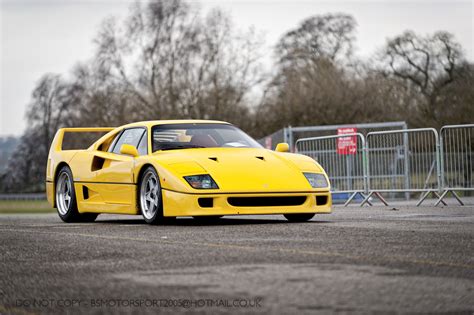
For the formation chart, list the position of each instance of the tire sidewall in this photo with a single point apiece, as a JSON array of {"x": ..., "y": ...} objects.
[
  {"x": 71, "y": 213},
  {"x": 158, "y": 216}
]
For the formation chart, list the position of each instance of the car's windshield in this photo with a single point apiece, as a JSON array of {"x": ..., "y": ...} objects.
[{"x": 183, "y": 136}]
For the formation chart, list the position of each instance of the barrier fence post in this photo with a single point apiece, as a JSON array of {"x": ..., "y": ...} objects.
[
  {"x": 290, "y": 139},
  {"x": 406, "y": 165},
  {"x": 457, "y": 166},
  {"x": 439, "y": 164},
  {"x": 420, "y": 154},
  {"x": 366, "y": 168},
  {"x": 285, "y": 136}
]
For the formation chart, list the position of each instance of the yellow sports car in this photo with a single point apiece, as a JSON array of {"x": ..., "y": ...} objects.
[{"x": 175, "y": 168}]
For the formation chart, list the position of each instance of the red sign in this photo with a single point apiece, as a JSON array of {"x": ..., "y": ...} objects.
[{"x": 347, "y": 145}]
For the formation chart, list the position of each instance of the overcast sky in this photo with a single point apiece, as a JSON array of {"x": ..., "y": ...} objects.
[{"x": 39, "y": 36}]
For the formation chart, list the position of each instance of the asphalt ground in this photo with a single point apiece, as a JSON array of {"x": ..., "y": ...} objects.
[{"x": 356, "y": 260}]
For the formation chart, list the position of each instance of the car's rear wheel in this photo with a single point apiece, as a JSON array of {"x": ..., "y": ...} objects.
[
  {"x": 299, "y": 217},
  {"x": 66, "y": 199},
  {"x": 150, "y": 198}
]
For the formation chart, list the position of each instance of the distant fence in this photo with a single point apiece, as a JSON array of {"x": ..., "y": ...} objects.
[
  {"x": 345, "y": 164},
  {"x": 35, "y": 196},
  {"x": 291, "y": 134},
  {"x": 457, "y": 159},
  {"x": 400, "y": 163}
]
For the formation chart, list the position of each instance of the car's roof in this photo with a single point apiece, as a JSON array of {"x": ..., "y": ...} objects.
[{"x": 150, "y": 123}]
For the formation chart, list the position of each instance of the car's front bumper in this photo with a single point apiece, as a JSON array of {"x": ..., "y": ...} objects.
[{"x": 177, "y": 204}]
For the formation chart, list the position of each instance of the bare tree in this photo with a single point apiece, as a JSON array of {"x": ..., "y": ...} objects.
[
  {"x": 103, "y": 101},
  {"x": 175, "y": 64},
  {"x": 312, "y": 84},
  {"x": 48, "y": 110},
  {"x": 329, "y": 36},
  {"x": 226, "y": 71},
  {"x": 427, "y": 64},
  {"x": 455, "y": 103}
]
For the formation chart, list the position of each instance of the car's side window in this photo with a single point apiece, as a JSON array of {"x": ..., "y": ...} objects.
[
  {"x": 129, "y": 136},
  {"x": 109, "y": 145},
  {"x": 143, "y": 145}
]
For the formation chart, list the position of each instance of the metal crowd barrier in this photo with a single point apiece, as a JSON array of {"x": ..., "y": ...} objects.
[
  {"x": 343, "y": 158},
  {"x": 400, "y": 163},
  {"x": 457, "y": 160},
  {"x": 403, "y": 162}
]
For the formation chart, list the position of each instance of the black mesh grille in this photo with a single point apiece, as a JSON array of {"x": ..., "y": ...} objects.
[
  {"x": 206, "y": 202},
  {"x": 321, "y": 200},
  {"x": 266, "y": 201}
]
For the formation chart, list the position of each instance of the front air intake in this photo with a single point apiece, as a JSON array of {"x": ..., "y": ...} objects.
[
  {"x": 266, "y": 201},
  {"x": 206, "y": 202},
  {"x": 321, "y": 200}
]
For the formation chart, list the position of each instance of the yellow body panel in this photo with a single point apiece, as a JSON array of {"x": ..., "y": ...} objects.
[
  {"x": 107, "y": 198},
  {"x": 177, "y": 204},
  {"x": 107, "y": 182},
  {"x": 50, "y": 193}
]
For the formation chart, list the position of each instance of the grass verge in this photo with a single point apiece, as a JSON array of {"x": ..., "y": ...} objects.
[{"x": 25, "y": 206}]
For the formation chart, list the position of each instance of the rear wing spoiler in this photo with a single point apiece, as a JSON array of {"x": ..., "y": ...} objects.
[{"x": 57, "y": 143}]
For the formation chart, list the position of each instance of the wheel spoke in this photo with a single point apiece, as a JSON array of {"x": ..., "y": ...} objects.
[
  {"x": 151, "y": 184},
  {"x": 64, "y": 193},
  {"x": 68, "y": 184},
  {"x": 149, "y": 195}
]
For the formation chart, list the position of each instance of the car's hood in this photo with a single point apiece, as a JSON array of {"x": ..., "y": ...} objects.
[{"x": 242, "y": 169}]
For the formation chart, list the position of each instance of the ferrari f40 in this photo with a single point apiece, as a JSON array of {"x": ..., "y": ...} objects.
[{"x": 167, "y": 169}]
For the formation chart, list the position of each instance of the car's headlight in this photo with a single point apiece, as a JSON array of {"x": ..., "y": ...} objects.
[
  {"x": 316, "y": 180},
  {"x": 201, "y": 181}
]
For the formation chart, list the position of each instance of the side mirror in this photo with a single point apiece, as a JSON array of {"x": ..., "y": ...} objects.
[
  {"x": 128, "y": 149},
  {"x": 282, "y": 147}
]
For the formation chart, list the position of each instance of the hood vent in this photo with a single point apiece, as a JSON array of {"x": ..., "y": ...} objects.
[
  {"x": 213, "y": 158},
  {"x": 260, "y": 158}
]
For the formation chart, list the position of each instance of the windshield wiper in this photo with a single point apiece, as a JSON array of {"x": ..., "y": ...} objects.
[{"x": 183, "y": 146}]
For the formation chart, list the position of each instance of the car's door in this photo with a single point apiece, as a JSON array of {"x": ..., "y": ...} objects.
[{"x": 113, "y": 178}]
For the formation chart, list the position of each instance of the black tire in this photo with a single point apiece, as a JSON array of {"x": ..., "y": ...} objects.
[
  {"x": 151, "y": 216},
  {"x": 65, "y": 197},
  {"x": 299, "y": 217}
]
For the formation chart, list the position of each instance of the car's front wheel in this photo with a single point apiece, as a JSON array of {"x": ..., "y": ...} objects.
[
  {"x": 299, "y": 217},
  {"x": 149, "y": 197},
  {"x": 66, "y": 199}
]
